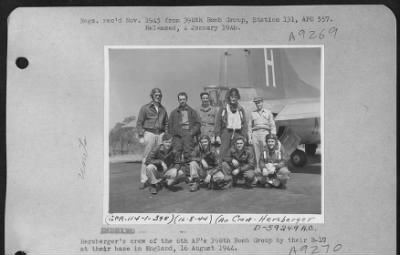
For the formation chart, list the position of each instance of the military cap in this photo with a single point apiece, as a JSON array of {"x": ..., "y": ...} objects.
[{"x": 258, "y": 99}]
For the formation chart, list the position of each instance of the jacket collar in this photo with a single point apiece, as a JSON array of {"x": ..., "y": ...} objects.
[
  {"x": 186, "y": 108},
  {"x": 162, "y": 148},
  {"x": 205, "y": 109},
  {"x": 240, "y": 152},
  {"x": 152, "y": 104}
]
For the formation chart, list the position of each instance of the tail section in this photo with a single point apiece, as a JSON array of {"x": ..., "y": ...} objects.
[{"x": 274, "y": 76}]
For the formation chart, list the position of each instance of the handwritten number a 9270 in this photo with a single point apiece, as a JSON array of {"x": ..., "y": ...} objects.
[{"x": 314, "y": 249}]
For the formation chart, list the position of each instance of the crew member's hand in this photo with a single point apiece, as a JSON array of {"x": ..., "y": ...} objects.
[
  {"x": 265, "y": 172},
  {"x": 235, "y": 163},
  {"x": 207, "y": 179},
  {"x": 164, "y": 166},
  {"x": 204, "y": 164},
  {"x": 141, "y": 140},
  {"x": 270, "y": 168},
  {"x": 218, "y": 140},
  {"x": 236, "y": 171},
  {"x": 212, "y": 139},
  {"x": 250, "y": 140}
]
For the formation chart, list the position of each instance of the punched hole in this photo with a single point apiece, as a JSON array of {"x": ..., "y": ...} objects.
[{"x": 22, "y": 63}]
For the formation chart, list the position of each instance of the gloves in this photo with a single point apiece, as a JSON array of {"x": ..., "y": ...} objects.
[
  {"x": 270, "y": 168},
  {"x": 204, "y": 164},
  {"x": 164, "y": 166},
  {"x": 207, "y": 179},
  {"x": 213, "y": 139},
  {"x": 236, "y": 171}
]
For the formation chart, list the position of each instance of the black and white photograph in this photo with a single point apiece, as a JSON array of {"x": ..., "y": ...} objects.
[
  {"x": 248, "y": 129},
  {"x": 214, "y": 129}
]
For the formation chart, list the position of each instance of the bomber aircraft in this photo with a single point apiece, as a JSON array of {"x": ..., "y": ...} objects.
[{"x": 295, "y": 104}]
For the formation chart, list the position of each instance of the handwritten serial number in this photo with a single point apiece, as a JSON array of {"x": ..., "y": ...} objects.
[
  {"x": 314, "y": 34},
  {"x": 315, "y": 249}
]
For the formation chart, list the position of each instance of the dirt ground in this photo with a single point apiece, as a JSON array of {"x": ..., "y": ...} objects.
[{"x": 302, "y": 196}]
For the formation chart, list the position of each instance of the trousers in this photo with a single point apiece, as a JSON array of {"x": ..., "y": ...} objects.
[
  {"x": 281, "y": 177},
  {"x": 154, "y": 176},
  {"x": 248, "y": 175},
  {"x": 183, "y": 143},
  {"x": 258, "y": 139},
  {"x": 227, "y": 137},
  {"x": 151, "y": 141}
]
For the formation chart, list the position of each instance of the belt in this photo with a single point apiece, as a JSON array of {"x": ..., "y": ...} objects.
[
  {"x": 260, "y": 128},
  {"x": 156, "y": 131},
  {"x": 234, "y": 130}
]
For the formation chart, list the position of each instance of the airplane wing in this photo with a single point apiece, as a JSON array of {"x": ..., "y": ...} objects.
[{"x": 300, "y": 110}]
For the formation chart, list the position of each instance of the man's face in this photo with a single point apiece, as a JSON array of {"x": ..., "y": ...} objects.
[
  {"x": 204, "y": 143},
  {"x": 205, "y": 100},
  {"x": 259, "y": 105},
  {"x": 271, "y": 143},
  {"x": 157, "y": 97},
  {"x": 239, "y": 144},
  {"x": 167, "y": 144},
  {"x": 233, "y": 99},
  {"x": 182, "y": 100}
]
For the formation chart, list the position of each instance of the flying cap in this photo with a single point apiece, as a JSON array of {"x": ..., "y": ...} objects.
[
  {"x": 166, "y": 137},
  {"x": 271, "y": 136},
  {"x": 155, "y": 90},
  {"x": 239, "y": 137},
  {"x": 234, "y": 92}
]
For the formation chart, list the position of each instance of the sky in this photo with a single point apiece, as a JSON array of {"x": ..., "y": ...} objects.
[{"x": 134, "y": 72}]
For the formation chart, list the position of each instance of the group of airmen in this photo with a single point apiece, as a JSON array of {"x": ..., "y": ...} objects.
[{"x": 213, "y": 147}]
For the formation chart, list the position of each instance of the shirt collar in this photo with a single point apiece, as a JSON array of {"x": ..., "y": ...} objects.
[{"x": 205, "y": 109}]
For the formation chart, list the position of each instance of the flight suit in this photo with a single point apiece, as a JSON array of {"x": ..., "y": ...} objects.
[{"x": 246, "y": 167}]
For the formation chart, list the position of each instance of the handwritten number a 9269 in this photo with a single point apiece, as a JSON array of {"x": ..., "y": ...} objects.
[{"x": 313, "y": 34}]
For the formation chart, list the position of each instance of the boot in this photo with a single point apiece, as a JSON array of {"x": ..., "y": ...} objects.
[
  {"x": 153, "y": 189},
  {"x": 194, "y": 187}
]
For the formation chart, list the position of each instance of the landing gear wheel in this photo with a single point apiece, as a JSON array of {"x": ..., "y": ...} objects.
[
  {"x": 298, "y": 158},
  {"x": 311, "y": 149}
]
